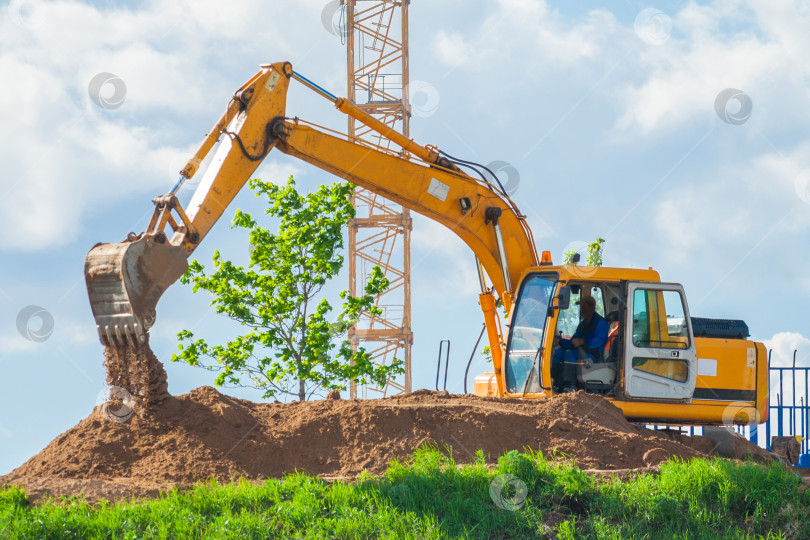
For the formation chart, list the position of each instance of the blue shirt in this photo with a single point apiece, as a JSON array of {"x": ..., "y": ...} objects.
[{"x": 595, "y": 335}]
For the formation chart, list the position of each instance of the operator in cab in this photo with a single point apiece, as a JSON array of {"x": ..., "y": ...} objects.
[{"x": 584, "y": 347}]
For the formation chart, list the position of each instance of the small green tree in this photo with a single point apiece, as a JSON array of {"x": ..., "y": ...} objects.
[
  {"x": 568, "y": 257},
  {"x": 594, "y": 254},
  {"x": 289, "y": 348},
  {"x": 569, "y": 318}
]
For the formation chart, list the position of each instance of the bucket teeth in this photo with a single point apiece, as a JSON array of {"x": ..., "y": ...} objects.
[
  {"x": 124, "y": 330},
  {"x": 125, "y": 282}
]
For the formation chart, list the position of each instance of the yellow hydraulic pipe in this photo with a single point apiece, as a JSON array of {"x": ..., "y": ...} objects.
[
  {"x": 487, "y": 302},
  {"x": 349, "y": 108},
  {"x": 210, "y": 140},
  {"x": 234, "y": 106}
]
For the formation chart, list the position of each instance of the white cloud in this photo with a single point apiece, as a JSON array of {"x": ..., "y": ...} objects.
[
  {"x": 783, "y": 345},
  {"x": 758, "y": 48},
  {"x": 14, "y": 343},
  {"x": 727, "y": 44},
  {"x": 744, "y": 202},
  {"x": 527, "y": 32},
  {"x": 278, "y": 171},
  {"x": 66, "y": 155},
  {"x": 63, "y": 155},
  {"x": 685, "y": 80}
]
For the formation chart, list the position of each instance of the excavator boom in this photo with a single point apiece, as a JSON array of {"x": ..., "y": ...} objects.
[{"x": 125, "y": 280}]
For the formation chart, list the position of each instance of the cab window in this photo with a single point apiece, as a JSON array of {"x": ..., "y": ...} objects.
[
  {"x": 530, "y": 314},
  {"x": 526, "y": 337},
  {"x": 568, "y": 319},
  {"x": 659, "y": 320}
]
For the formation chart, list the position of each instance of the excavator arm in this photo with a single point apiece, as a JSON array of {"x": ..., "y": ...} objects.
[
  {"x": 433, "y": 192},
  {"x": 125, "y": 280}
]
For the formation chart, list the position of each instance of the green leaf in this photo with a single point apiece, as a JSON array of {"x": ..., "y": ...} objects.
[{"x": 288, "y": 337}]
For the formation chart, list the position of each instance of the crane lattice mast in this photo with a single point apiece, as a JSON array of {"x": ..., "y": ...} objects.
[{"x": 377, "y": 60}]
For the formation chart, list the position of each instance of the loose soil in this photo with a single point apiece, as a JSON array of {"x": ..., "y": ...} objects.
[
  {"x": 152, "y": 441},
  {"x": 135, "y": 368},
  {"x": 206, "y": 434}
]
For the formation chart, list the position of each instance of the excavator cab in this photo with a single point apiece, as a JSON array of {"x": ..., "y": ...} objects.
[
  {"x": 659, "y": 364},
  {"x": 650, "y": 355}
]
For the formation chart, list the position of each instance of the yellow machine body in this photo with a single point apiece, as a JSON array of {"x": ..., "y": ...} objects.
[{"x": 730, "y": 387}]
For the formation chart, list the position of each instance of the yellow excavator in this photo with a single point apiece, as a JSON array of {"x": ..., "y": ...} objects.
[{"x": 662, "y": 365}]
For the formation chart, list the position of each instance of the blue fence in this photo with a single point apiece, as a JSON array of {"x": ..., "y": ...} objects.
[{"x": 789, "y": 410}]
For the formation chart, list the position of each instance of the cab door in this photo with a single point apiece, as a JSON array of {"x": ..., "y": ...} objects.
[{"x": 660, "y": 358}]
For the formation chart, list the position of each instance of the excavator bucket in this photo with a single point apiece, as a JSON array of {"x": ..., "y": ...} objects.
[{"x": 125, "y": 282}]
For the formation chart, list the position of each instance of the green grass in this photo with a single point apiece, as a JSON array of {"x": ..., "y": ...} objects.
[{"x": 430, "y": 497}]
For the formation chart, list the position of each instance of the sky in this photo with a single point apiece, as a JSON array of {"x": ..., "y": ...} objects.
[{"x": 677, "y": 132}]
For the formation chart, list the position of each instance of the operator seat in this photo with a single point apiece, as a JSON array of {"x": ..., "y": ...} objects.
[{"x": 601, "y": 376}]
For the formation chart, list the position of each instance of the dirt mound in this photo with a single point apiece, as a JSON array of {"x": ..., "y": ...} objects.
[{"x": 206, "y": 434}]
